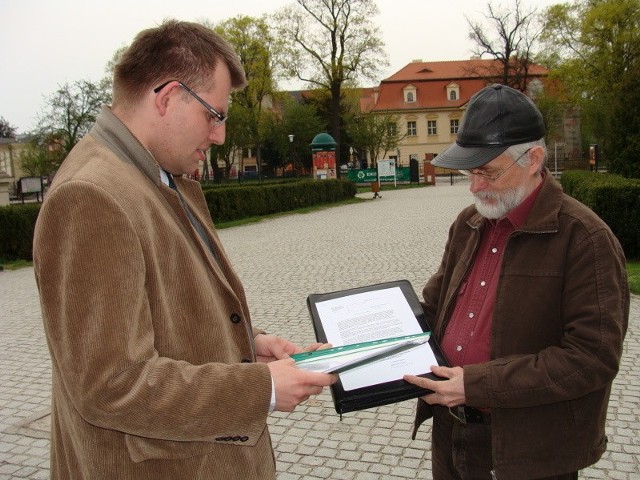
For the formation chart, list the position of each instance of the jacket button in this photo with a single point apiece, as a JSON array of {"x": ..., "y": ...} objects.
[
  {"x": 235, "y": 318},
  {"x": 244, "y": 439}
]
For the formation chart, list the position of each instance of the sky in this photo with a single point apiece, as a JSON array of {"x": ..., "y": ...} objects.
[{"x": 47, "y": 43}]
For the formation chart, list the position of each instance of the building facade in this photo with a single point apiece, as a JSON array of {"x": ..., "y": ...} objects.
[{"x": 429, "y": 100}]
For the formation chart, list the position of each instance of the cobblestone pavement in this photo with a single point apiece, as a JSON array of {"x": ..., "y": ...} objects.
[{"x": 281, "y": 261}]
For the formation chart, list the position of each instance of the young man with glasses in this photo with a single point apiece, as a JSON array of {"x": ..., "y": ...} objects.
[
  {"x": 158, "y": 372},
  {"x": 530, "y": 305}
]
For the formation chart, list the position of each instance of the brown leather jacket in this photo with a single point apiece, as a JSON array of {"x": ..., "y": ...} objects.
[{"x": 559, "y": 323}]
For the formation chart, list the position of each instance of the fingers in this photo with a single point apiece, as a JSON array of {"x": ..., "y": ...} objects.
[
  {"x": 317, "y": 346},
  {"x": 294, "y": 385},
  {"x": 448, "y": 392},
  {"x": 420, "y": 381}
]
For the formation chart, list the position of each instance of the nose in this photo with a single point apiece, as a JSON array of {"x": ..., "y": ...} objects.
[
  {"x": 477, "y": 183},
  {"x": 217, "y": 134}
]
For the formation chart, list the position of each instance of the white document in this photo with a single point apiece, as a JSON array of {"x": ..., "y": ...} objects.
[{"x": 375, "y": 315}]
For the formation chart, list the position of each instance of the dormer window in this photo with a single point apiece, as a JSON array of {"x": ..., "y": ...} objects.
[
  {"x": 453, "y": 91},
  {"x": 535, "y": 88},
  {"x": 409, "y": 94}
]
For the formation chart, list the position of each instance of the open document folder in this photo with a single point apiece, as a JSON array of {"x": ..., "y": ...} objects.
[
  {"x": 340, "y": 359},
  {"x": 382, "y": 313}
]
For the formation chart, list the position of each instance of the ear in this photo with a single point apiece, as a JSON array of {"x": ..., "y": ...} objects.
[
  {"x": 163, "y": 97},
  {"x": 536, "y": 158}
]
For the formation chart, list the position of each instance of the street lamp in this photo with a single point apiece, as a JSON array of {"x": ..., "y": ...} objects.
[
  {"x": 555, "y": 157},
  {"x": 291, "y": 154}
]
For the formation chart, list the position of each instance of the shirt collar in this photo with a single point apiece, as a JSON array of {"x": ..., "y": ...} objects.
[
  {"x": 519, "y": 215},
  {"x": 164, "y": 177}
]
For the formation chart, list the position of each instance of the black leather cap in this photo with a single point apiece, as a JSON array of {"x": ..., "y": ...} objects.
[{"x": 496, "y": 118}]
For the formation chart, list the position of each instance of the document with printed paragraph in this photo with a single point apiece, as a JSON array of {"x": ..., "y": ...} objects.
[{"x": 381, "y": 316}]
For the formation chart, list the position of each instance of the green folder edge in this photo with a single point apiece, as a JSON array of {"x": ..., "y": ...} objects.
[{"x": 306, "y": 357}]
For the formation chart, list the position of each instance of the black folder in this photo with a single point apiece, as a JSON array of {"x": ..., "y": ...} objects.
[{"x": 382, "y": 393}]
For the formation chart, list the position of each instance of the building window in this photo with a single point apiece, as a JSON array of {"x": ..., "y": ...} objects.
[
  {"x": 412, "y": 129},
  {"x": 432, "y": 128},
  {"x": 409, "y": 94},
  {"x": 535, "y": 88},
  {"x": 392, "y": 129},
  {"x": 453, "y": 91},
  {"x": 455, "y": 124}
]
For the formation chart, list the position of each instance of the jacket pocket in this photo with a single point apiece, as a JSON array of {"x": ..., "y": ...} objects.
[{"x": 142, "y": 448}]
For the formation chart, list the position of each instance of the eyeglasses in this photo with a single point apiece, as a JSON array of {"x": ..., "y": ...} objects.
[
  {"x": 216, "y": 117},
  {"x": 492, "y": 178}
]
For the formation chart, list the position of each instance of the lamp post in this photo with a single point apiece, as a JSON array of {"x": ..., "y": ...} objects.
[
  {"x": 291, "y": 154},
  {"x": 555, "y": 157}
]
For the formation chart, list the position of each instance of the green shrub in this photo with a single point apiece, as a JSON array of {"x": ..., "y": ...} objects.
[
  {"x": 615, "y": 199},
  {"x": 16, "y": 231},
  {"x": 227, "y": 204},
  {"x": 17, "y": 222}
]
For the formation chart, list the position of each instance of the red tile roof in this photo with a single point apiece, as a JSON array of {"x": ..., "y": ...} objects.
[
  {"x": 452, "y": 70},
  {"x": 431, "y": 80}
]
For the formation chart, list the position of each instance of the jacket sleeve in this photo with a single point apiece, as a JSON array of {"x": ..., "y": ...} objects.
[{"x": 92, "y": 274}]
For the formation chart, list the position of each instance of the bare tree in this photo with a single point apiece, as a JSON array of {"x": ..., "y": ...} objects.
[
  {"x": 72, "y": 111},
  {"x": 6, "y": 129},
  {"x": 510, "y": 42},
  {"x": 329, "y": 43}
]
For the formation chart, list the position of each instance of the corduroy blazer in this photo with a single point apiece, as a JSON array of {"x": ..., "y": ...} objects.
[{"x": 153, "y": 362}]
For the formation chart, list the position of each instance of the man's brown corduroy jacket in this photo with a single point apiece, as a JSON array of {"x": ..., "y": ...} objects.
[{"x": 154, "y": 373}]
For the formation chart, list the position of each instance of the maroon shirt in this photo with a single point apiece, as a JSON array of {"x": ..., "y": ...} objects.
[{"x": 467, "y": 339}]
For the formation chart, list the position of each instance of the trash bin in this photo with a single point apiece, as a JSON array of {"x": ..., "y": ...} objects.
[{"x": 429, "y": 173}]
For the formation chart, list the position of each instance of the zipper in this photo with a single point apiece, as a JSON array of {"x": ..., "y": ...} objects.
[{"x": 493, "y": 475}]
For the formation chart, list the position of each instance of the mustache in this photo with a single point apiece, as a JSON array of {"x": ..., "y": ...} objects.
[{"x": 486, "y": 195}]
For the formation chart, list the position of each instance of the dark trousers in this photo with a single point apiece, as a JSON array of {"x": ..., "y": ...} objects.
[{"x": 463, "y": 452}]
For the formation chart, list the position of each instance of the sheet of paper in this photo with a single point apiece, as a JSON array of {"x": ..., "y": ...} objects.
[{"x": 374, "y": 315}]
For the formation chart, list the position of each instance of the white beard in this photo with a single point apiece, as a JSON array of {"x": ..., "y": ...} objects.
[{"x": 501, "y": 203}]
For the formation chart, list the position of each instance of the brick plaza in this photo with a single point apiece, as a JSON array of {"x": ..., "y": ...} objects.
[{"x": 281, "y": 261}]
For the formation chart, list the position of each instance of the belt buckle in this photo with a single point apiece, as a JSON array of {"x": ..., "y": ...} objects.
[{"x": 461, "y": 416}]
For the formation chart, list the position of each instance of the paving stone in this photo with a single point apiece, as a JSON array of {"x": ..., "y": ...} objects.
[{"x": 281, "y": 261}]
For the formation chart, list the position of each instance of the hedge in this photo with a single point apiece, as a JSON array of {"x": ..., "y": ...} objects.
[
  {"x": 614, "y": 198},
  {"x": 16, "y": 231},
  {"x": 17, "y": 222},
  {"x": 253, "y": 201}
]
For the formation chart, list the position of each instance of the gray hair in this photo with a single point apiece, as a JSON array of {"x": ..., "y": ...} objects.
[{"x": 516, "y": 151}]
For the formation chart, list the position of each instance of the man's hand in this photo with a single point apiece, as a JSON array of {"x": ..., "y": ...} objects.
[
  {"x": 449, "y": 393},
  {"x": 270, "y": 348},
  {"x": 294, "y": 385}
]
